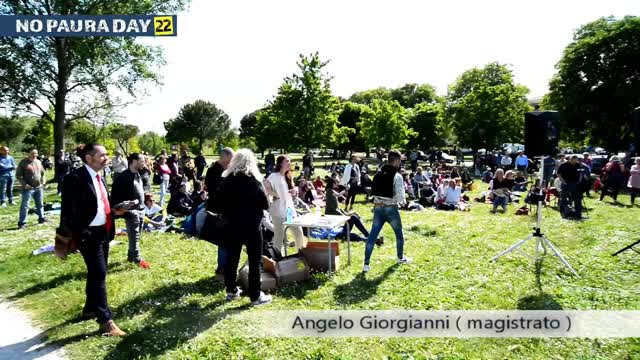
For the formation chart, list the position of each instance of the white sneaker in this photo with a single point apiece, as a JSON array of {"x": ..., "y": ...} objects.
[
  {"x": 262, "y": 299},
  {"x": 405, "y": 260},
  {"x": 3, "y": 205},
  {"x": 233, "y": 296},
  {"x": 366, "y": 268}
]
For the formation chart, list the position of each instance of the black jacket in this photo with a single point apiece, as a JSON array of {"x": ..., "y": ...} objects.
[
  {"x": 383, "y": 182},
  {"x": 128, "y": 186},
  {"x": 212, "y": 181},
  {"x": 241, "y": 199},
  {"x": 79, "y": 203}
]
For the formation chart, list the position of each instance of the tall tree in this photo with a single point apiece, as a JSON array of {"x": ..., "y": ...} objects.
[
  {"x": 350, "y": 118},
  {"x": 485, "y": 107},
  {"x": 152, "y": 142},
  {"x": 84, "y": 132},
  {"x": 597, "y": 84},
  {"x": 366, "y": 97},
  {"x": 61, "y": 72},
  {"x": 40, "y": 137},
  {"x": 248, "y": 125},
  {"x": 200, "y": 121},
  {"x": 272, "y": 132},
  {"x": 305, "y": 103},
  {"x": 410, "y": 95},
  {"x": 123, "y": 134},
  {"x": 385, "y": 124},
  {"x": 427, "y": 121},
  {"x": 10, "y": 128}
]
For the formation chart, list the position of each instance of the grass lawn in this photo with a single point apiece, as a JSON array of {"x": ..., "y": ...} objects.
[{"x": 176, "y": 310}]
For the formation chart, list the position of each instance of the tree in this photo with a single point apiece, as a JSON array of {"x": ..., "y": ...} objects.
[
  {"x": 385, "y": 125},
  {"x": 271, "y": 132},
  {"x": 201, "y": 121},
  {"x": 40, "y": 137},
  {"x": 597, "y": 84},
  {"x": 350, "y": 118},
  {"x": 366, "y": 97},
  {"x": 84, "y": 132},
  {"x": 151, "y": 142},
  {"x": 410, "y": 95},
  {"x": 10, "y": 128},
  {"x": 486, "y": 108},
  {"x": 304, "y": 108},
  {"x": 248, "y": 125},
  {"x": 76, "y": 75},
  {"x": 123, "y": 134},
  {"x": 426, "y": 121}
]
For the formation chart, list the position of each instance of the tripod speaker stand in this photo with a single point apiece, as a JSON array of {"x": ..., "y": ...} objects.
[{"x": 542, "y": 243}]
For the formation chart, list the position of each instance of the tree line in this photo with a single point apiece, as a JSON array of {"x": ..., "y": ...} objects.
[{"x": 69, "y": 88}]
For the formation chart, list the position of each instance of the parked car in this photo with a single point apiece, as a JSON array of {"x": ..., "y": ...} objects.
[
  {"x": 448, "y": 158},
  {"x": 598, "y": 162}
]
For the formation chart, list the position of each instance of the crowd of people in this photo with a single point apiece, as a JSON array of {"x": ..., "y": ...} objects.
[{"x": 256, "y": 204}]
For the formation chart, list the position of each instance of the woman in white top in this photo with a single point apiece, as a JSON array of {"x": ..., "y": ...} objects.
[{"x": 280, "y": 193}]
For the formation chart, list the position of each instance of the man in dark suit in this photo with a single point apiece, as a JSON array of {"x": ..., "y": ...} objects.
[{"x": 87, "y": 215}]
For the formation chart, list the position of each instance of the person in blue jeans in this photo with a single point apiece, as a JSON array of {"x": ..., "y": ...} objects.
[
  {"x": 388, "y": 193},
  {"x": 30, "y": 174},
  {"x": 7, "y": 168}
]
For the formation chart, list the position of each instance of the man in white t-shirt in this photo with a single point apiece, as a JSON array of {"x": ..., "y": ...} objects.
[{"x": 505, "y": 162}]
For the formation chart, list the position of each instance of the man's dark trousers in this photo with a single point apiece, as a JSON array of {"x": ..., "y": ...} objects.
[{"x": 94, "y": 248}]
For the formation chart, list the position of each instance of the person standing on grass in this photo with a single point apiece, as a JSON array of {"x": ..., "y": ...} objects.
[
  {"x": 30, "y": 174},
  {"x": 388, "y": 195},
  {"x": 86, "y": 213},
  {"x": 118, "y": 165},
  {"x": 165, "y": 175},
  {"x": 211, "y": 183},
  {"x": 307, "y": 165},
  {"x": 278, "y": 185},
  {"x": 242, "y": 200},
  {"x": 129, "y": 187},
  {"x": 522, "y": 163},
  {"x": 63, "y": 167},
  {"x": 634, "y": 180},
  {"x": 200, "y": 163},
  {"x": 7, "y": 168},
  {"x": 569, "y": 175},
  {"x": 351, "y": 181}
]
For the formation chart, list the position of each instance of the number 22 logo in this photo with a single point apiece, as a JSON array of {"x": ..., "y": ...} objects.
[{"x": 163, "y": 25}]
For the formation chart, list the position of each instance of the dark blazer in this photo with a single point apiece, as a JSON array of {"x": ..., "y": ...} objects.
[{"x": 79, "y": 203}]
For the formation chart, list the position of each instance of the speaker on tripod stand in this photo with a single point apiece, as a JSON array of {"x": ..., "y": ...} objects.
[{"x": 541, "y": 133}]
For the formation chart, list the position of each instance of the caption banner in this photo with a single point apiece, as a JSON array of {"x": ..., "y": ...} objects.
[
  {"x": 86, "y": 25},
  {"x": 458, "y": 324}
]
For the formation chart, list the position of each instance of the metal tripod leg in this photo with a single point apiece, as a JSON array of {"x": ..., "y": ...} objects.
[
  {"x": 559, "y": 256},
  {"x": 513, "y": 247}
]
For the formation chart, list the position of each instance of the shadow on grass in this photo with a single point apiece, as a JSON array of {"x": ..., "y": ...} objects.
[
  {"x": 60, "y": 280},
  {"x": 299, "y": 290},
  {"x": 169, "y": 319},
  {"x": 360, "y": 288},
  {"x": 540, "y": 300}
]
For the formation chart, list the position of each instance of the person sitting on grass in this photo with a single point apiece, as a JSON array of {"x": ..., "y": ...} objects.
[
  {"x": 180, "y": 203},
  {"x": 500, "y": 188},
  {"x": 441, "y": 192},
  {"x": 332, "y": 208},
  {"x": 467, "y": 180},
  {"x": 520, "y": 182},
  {"x": 155, "y": 216},
  {"x": 420, "y": 180},
  {"x": 319, "y": 185},
  {"x": 453, "y": 197}
]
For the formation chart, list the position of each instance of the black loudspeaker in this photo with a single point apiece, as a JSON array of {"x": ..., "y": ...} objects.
[
  {"x": 541, "y": 133},
  {"x": 636, "y": 128}
]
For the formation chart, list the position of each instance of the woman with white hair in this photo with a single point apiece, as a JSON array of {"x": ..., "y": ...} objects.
[
  {"x": 612, "y": 178},
  {"x": 501, "y": 188},
  {"x": 241, "y": 199}
]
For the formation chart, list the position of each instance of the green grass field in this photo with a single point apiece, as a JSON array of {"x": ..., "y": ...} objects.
[{"x": 176, "y": 310}]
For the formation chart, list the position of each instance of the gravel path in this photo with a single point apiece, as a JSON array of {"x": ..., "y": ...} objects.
[{"x": 20, "y": 340}]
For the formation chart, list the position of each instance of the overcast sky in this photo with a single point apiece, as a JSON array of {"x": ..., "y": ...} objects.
[{"x": 236, "y": 53}]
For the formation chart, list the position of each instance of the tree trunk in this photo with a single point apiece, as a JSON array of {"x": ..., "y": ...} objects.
[{"x": 61, "y": 96}]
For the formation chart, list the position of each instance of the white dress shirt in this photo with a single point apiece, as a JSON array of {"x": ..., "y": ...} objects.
[{"x": 101, "y": 217}]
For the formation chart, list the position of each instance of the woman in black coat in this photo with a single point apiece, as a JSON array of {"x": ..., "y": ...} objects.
[{"x": 241, "y": 199}]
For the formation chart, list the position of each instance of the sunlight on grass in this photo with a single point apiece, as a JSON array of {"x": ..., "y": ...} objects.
[{"x": 176, "y": 309}]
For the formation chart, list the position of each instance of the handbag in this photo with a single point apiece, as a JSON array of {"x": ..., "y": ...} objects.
[
  {"x": 214, "y": 229},
  {"x": 64, "y": 243}
]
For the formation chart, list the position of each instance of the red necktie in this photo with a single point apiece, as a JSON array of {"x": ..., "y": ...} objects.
[{"x": 105, "y": 201}]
